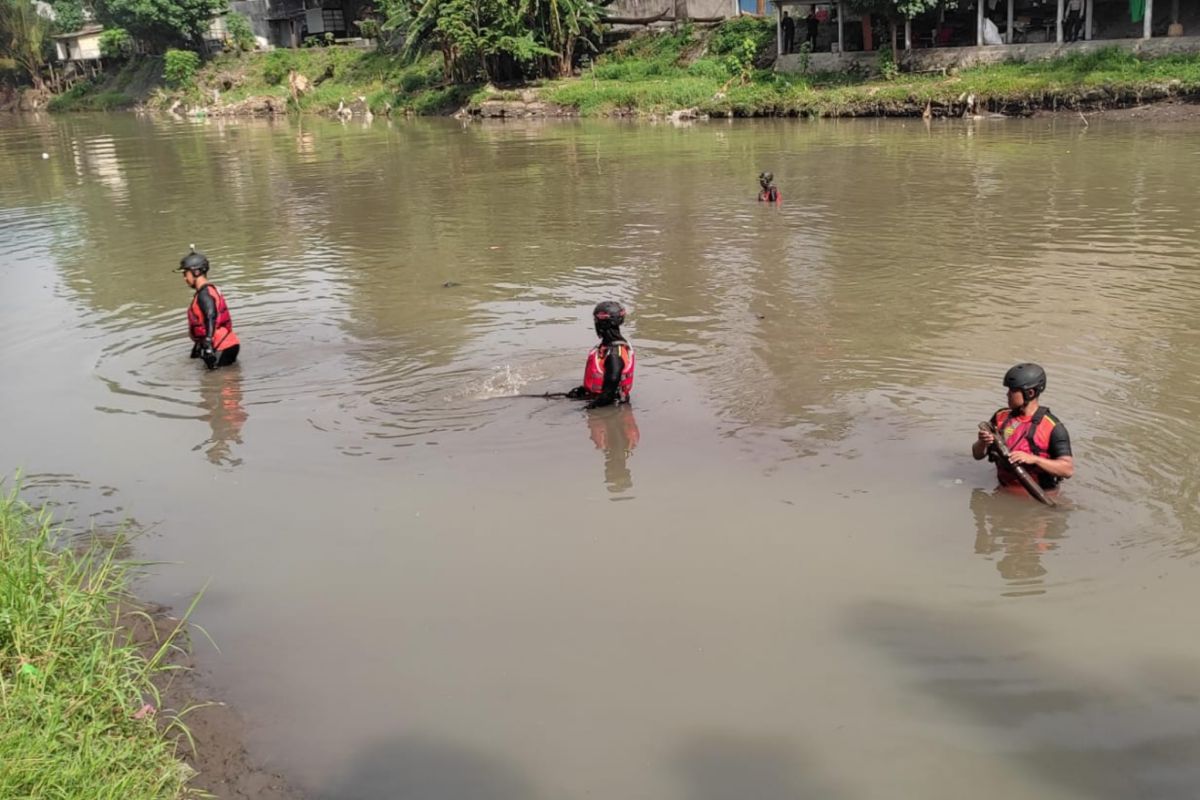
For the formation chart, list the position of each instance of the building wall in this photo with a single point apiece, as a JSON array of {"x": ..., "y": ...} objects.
[
  {"x": 695, "y": 8},
  {"x": 89, "y": 46},
  {"x": 257, "y": 11}
]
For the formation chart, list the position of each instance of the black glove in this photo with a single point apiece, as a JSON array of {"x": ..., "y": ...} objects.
[
  {"x": 209, "y": 354},
  {"x": 578, "y": 393},
  {"x": 195, "y": 350}
]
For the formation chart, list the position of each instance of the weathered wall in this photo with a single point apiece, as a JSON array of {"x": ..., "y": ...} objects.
[
  {"x": 945, "y": 57},
  {"x": 695, "y": 8},
  {"x": 257, "y": 12}
]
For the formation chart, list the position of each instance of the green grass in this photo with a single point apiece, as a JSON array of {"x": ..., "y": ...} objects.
[
  {"x": 69, "y": 682},
  {"x": 671, "y": 72},
  {"x": 662, "y": 72}
]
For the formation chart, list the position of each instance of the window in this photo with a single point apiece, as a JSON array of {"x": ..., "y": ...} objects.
[{"x": 334, "y": 20}]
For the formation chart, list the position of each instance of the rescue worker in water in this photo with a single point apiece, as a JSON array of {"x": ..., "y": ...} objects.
[
  {"x": 209, "y": 323},
  {"x": 1035, "y": 437},
  {"x": 768, "y": 192},
  {"x": 608, "y": 373}
]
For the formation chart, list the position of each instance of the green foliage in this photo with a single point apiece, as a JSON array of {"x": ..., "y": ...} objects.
[
  {"x": 68, "y": 15},
  {"x": 368, "y": 28},
  {"x": 180, "y": 66},
  {"x": 893, "y": 9},
  {"x": 740, "y": 60},
  {"x": 71, "y": 683},
  {"x": 162, "y": 23},
  {"x": 498, "y": 39},
  {"x": 116, "y": 43},
  {"x": 241, "y": 35},
  {"x": 889, "y": 70},
  {"x": 24, "y": 37},
  {"x": 731, "y": 36},
  {"x": 277, "y": 64}
]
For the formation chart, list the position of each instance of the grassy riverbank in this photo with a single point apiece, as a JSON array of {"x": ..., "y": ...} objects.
[
  {"x": 71, "y": 683},
  {"x": 720, "y": 73}
]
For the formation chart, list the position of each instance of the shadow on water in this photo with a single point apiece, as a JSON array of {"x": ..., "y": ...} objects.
[
  {"x": 615, "y": 431},
  {"x": 410, "y": 767},
  {"x": 1049, "y": 719},
  {"x": 221, "y": 399},
  {"x": 723, "y": 766},
  {"x": 1018, "y": 534}
]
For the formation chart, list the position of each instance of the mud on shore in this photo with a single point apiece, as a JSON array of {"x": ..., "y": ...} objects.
[{"x": 224, "y": 767}]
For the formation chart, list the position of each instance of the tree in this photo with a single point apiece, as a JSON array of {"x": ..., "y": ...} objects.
[
  {"x": 162, "y": 23},
  {"x": 895, "y": 10},
  {"x": 493, "y": 39},
  {"x": 24, "y": 36},
  {"x": 68, "y": 15}
]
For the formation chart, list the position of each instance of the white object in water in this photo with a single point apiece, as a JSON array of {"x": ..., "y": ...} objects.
[{"x": 45, "y": 155}]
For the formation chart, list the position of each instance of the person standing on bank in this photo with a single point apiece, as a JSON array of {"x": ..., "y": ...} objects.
[
  {"x": 608, "y": 373},
  {"x": 209, "y": 323},
  {"x": 1038, "y": 441},
  {"x": 788, "y": 25}
]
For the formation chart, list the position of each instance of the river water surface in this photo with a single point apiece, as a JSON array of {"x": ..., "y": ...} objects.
[{"x": 778, "y": 575}]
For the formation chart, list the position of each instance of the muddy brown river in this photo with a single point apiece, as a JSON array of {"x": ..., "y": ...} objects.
[{"x": 778, "y": 575}]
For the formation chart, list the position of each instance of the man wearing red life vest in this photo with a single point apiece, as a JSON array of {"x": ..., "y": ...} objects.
[
  {"x": 209, "y": 323},
  {"x": 768, "y": 192},
  {"x": 608, "y": 373},
  {"x": 1035, "y": 437}
]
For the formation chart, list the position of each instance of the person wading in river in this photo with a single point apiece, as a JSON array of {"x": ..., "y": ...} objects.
[
  {"x": 608, "y": 373},
  {"x": 1035, "y": 437},
  {"x": 209, "y": 324},
  {"x": 768, "y": 193}
]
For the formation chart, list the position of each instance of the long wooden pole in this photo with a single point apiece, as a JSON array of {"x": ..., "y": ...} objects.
[
  {"x": 1087, "y": 35},
  {"x": 1008, "y": 37},
  {"x": 1058, "y": 23}
]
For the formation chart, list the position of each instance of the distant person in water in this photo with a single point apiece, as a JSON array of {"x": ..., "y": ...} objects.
[
  {"x": 768, "y": 193},
  {"x": 608, "y": 374},
  {"x": 209, "y": 324}
]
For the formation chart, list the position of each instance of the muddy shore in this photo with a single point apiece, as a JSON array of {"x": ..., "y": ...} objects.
[{"x": 223, "y": 765}]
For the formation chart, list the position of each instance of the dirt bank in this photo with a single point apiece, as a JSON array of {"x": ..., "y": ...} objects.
[{"x": 223, "y": 765}]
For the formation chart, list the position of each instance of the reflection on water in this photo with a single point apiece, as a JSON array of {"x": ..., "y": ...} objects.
[
  {"x": 221, "y": 397},
  {"x": 614, "y": 430},
  {"x": 810, "y": 374},
  {"x": 1019, "y": 535}
]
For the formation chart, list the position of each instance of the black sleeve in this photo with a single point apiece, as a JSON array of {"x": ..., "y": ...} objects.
[
  {"x": 208, "y": 310},
  {"x": 614, "y": 365},
  {"x": 1060, "y": 441}
]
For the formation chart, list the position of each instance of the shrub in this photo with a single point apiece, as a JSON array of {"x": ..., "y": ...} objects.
[
  {"x": 240, "y": 32},
  {"x": 116, "y": 43},
  {"x": 276, "y": 66},
  {"x": 180, "y": 66}
]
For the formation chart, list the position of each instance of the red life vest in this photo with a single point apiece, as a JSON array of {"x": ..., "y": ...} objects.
[
  {"x": 593, "y": 370},
  {"x": 771, "y": 195},
  {"x": 1029, "y": 435},
  {"x": 223, "y": 337}
]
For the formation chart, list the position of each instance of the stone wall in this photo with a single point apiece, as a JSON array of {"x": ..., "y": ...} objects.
[{"x": 946, "y": 57}]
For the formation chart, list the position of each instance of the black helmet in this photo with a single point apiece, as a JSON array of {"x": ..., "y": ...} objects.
[
  {"x": 1028, "y": 378},
  {"x": 609, "y": 313},
  {"x": 765, "y": 177},
  {"x": 196, "y": 263}
]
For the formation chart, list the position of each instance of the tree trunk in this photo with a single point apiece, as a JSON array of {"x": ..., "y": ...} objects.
[
  {"x": 681, "y": 10},
  {"x": 896, "y": 50}
]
